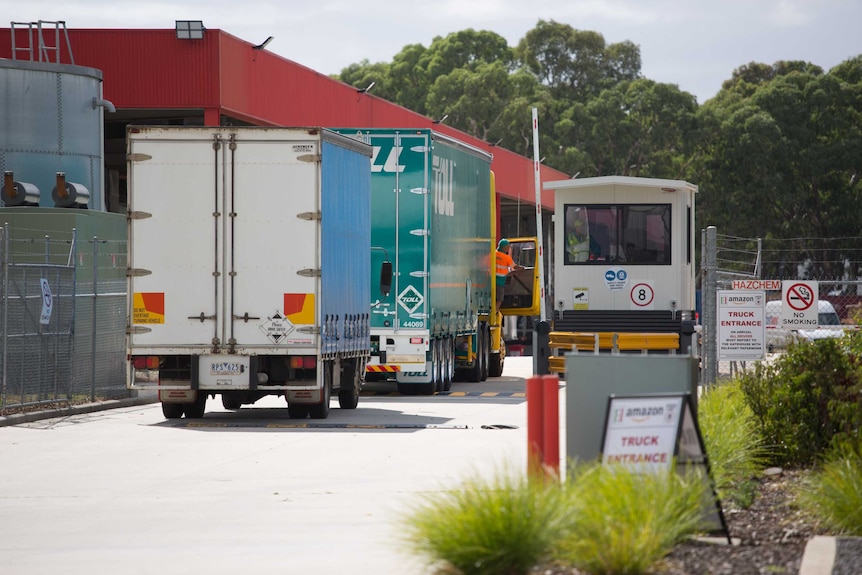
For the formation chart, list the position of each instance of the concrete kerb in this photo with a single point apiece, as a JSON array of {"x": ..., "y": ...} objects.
[{"x": 28, "y": 417}]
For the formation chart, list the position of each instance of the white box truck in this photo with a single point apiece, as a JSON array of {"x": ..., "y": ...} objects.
[{"x": 248, "y": 266}]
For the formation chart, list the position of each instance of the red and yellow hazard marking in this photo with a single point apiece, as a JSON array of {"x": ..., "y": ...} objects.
[
  {"x": 148, "y": 307},
  {"x": 382, "y": 368},
  {"x": 299, "y": 308}
]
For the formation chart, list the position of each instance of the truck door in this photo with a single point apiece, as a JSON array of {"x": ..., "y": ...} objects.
[
  {"x": 218, "y": 232},
  {"x": 400, "y": 223},
  {"x": 173, "y": 190},
  {"x": 272, "y": 244}
]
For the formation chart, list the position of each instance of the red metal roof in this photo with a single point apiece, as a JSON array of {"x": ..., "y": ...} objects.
[{"x": 147, "y": 69}]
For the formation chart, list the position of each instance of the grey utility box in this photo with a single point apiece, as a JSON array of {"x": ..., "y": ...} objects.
[{"x": 591, "y": 378}]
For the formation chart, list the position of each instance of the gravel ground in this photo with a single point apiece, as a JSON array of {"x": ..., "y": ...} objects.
[{"x": 769, "y": 538}]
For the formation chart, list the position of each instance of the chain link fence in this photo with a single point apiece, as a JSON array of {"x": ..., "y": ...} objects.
[
  {"x": 834, "y": 263},
  {"x": 62, "y": 319}
]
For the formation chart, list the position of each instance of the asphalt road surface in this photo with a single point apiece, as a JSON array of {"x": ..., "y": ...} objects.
[{"x": 248, "y": 492}]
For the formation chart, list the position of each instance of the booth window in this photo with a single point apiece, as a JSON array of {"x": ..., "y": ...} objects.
[{"x": 622, "y": 233}]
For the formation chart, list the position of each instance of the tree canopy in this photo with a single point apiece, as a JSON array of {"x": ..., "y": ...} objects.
[{"x": 777, "y": 153}]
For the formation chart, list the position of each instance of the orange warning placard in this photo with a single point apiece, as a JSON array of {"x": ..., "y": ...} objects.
[
  {"x": 299, "y": 308},
  {"x": 148, "y": 307}
]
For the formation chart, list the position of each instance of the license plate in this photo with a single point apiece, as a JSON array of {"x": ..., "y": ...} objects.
[{"x": 225, "y": 368}]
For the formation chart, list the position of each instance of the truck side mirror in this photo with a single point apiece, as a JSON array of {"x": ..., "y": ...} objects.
[{"x": 385, "y": 278}]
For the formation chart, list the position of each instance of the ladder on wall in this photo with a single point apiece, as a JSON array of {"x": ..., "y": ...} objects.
[{"x": 36, "y": 44}]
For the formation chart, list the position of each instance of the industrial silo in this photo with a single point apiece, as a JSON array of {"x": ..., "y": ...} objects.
[{"x": 51, "y": 122}]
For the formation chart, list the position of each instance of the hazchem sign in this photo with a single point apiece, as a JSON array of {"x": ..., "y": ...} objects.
[{"x": 756, "y": 284}]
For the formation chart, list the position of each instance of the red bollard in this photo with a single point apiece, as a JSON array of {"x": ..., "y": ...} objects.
[
  {"x": 535, "y": 430},
  {"x": 551, "y": 424}
]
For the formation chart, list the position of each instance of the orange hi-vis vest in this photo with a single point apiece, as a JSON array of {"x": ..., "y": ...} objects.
[{"x": 504, "y": 264}]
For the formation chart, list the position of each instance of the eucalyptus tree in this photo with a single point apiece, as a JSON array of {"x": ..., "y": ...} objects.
[
  {"x": 782, "y": 157},
  {"x": 576, "y": 64}
]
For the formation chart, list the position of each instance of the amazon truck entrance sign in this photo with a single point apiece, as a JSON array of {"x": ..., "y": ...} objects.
[{"x": 741, "y": 330}]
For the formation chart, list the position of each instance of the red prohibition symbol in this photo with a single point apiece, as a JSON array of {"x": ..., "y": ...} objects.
[
  {"x": 642, "y": 294},
  {"x": 799, "y": 297}
]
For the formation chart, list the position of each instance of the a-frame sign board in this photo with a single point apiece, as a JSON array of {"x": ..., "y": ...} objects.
[{"x": 647, "y": 433}]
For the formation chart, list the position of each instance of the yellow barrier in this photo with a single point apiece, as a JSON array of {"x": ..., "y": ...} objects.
[{"x": 605, "y": 340}]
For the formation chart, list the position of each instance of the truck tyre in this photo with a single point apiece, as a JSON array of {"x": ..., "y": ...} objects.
[
  {"x": 297, "y": 410},
  {"x": 172, "y": 410},
  {"x": 229, "y": 402},
  {"x": 475, "y": 373},
  {"x": 486, "y": 349},
  {"x": 321, "y": 410},
  {"x": 495, "y": 367},
  {"x": 448, "y": 364},
  {"x": 437, "y": 364},
  {"x": 196, "y": 409},
  {"x": 348, "y": 395}
]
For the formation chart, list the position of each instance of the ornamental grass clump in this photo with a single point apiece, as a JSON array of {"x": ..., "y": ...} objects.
[
  {"x": 625, "y": 522},
  {"x": 734, "y": 445},
  {"x": 499, "y": 526},
  {"x": 833, "y": 491}
]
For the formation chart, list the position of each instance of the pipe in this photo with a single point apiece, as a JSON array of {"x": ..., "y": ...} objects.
[{"x": 106, "y": 104}]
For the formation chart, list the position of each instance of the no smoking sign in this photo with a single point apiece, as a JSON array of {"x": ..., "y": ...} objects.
[
  {"x": 798, "y": 309},
  {"x": 799, "y": 295}
]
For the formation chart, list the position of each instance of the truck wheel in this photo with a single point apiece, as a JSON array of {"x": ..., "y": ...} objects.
[
  {"x": 475, "y": 373},
  {"x": 348, "y": 397},
  {"x": 437, "y": 365},
  {"x": 231, "y": 403},
  {"x": 196, "y": 409},
  {"x": 321, "y": 410},
  {"x": 297, "y": 410},
  {"x": 448, "y": 364},
  {"x": 172, "y": 410},
  {"x": 486, "y": 349},
  {"x": 495, "y": 367},
  {"x": 414, "y": 388}
]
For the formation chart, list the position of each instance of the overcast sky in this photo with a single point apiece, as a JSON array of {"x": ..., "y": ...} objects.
[{"x": 695, "y": 44}]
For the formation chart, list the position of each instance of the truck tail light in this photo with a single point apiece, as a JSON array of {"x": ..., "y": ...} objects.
[
  {"x": 145, "y": 362},
  {"x": 303, "y": 362}
]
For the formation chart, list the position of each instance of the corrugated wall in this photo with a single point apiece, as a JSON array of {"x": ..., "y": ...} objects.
[{"x": 149, "y": 69}]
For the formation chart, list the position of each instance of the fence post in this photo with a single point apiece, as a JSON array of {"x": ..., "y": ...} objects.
[
  {"x": 95, "y": 330},
  {"x": 710, "y": 333}
]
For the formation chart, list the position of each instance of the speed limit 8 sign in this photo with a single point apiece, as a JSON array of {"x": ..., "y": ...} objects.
[{"x": 642, "y": 295}]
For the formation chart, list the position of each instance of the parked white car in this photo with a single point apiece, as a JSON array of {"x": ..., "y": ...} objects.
[{"x": 777, "y": 337}]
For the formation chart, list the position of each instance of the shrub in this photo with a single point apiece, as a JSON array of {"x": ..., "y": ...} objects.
[
  {"x": 502, "y": 526},
  {"x": 732, "y": 440},
  {"x": 627, "y": 522},
  {"x": 806, "y": 398},
  {"x": 833, "y": 493}
]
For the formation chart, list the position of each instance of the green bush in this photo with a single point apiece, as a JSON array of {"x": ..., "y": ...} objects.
[
  {"x": 733, "y": 442},
  {"x": 624, "y": 522},
  {"x": 833, "y": 492},
  {"x": 804, "y": 400},
  {"x": 500, "y": 526}
]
